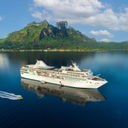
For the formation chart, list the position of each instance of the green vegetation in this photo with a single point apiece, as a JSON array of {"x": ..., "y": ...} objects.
[{"x": 45, "y": 36}]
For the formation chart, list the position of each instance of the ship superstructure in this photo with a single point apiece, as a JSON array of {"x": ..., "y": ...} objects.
[{"x": 71, "y": 76}]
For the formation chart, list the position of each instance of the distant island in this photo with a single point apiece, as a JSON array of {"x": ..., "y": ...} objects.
[{"x": 46, "y": 37}]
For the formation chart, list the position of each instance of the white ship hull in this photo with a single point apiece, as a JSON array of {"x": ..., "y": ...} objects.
[{"x": 64, "y": 82}]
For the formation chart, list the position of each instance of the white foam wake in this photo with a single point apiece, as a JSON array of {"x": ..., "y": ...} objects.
[{"x": 10, "y": 96}]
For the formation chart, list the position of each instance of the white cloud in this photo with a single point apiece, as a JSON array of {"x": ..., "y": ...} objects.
[
  {"x": 41, "y": 15},
  {"x": 1, "y": 18},
  {"x": 71, "y": 7},
  {"x": 110, "y": 20},
  {"x": 105, "y": 40},
  {"x": 102, "y": 33},
  {"x": 70, "y": 10},
  {"x": 87, "y": 12},
  {"x": 37, "y": 15}
]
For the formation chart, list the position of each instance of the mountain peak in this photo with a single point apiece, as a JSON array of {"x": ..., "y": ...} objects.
[
  {"x": 44, "y": 35},
  {"x": 45, "y": 22}
]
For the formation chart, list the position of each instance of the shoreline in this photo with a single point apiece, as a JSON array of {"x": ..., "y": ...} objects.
[{"x": 60, "y": 50}]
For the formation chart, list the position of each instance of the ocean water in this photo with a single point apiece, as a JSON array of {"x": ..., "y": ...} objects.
[{"x": 56, "y": 107}]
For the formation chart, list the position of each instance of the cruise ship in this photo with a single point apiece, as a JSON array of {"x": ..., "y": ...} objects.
[{"x": 70, "y": 76}]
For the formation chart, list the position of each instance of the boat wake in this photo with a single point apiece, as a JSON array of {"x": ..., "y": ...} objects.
[{"x": 10, "y": 96}]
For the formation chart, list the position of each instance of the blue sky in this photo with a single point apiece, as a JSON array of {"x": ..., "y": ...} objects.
[{"x": 105, "y": 20}]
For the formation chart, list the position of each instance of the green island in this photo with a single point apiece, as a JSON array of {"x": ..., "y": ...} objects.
[{"x": 46, "y": 37}]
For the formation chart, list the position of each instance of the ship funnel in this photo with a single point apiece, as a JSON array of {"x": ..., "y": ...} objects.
[
  {"x": 75, "y": 67},
  {"x": 41, "y": 64}
]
